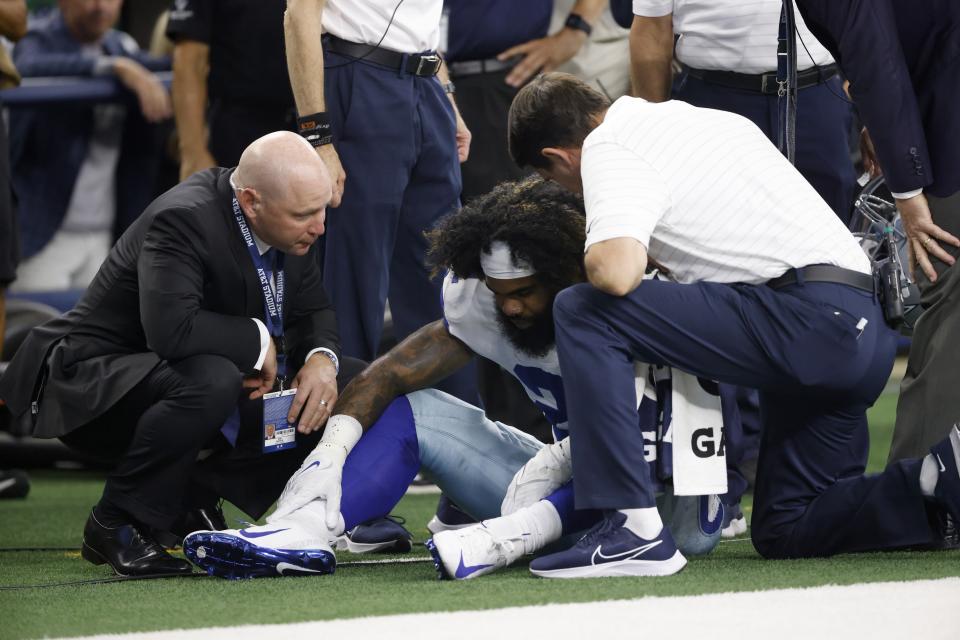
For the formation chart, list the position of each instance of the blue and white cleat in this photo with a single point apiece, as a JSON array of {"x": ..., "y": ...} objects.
[
  {"x": 291, "y": 546},
  {"x": 471, "y": 552},
  {"x": 610, "y": 549}
]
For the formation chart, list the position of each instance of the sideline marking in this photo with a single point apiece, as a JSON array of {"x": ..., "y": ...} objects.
[{"x": 924, "y": 609}]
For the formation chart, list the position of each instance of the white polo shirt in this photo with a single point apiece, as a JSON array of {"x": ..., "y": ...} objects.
[
  {"x": 732, "y": 35},
  {"x": 707, "y": 194},
  {"x": 415, "y": 27}
]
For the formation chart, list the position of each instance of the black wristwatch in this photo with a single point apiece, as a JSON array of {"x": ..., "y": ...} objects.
[{"x": 576, "y": 21}]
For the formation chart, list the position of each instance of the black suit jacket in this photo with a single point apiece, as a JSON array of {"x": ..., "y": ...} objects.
[
  {"x": 902, "y": 58},
  {"x": 179, "y": 282}
]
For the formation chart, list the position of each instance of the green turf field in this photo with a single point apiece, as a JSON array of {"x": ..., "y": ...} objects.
[{"x": 55, "y": 511}]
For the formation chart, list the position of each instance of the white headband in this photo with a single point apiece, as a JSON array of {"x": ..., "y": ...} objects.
[{"x": 500, "y": 265}]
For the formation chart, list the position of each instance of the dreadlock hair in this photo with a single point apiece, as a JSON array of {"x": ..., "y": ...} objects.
[{"x": 541, "y": 222}]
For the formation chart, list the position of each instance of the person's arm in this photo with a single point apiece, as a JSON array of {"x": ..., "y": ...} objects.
[
  {"x": 13, "y": 19},
  {"x": 546, "y": 54},
  {"x": 190, "y": 68},
  {"x": 463, "y": 133},
  {"x": 625, "y": 198},
  {"x": 651, "y": 54},
  {"x": 302, "y": 28},
  {"x": 171, "y": 274},
  {"x": 310, "y": 330},
  {"x": 155, "y": 103},
  {"x": 424, "y": 358},
  {"x": 616, "y": 266},
  {"x": 862, "y": 36}
]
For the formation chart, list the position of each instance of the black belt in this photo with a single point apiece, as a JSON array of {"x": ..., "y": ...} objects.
[
  {"x": 824, "y": 273},
  {"x": 476, "y": 67},
  {"x": 417, "y": 64},
  {"x": 765, "y": 83}
]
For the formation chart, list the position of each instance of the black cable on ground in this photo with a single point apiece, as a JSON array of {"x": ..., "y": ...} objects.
[{"x": 160, "y": 576}]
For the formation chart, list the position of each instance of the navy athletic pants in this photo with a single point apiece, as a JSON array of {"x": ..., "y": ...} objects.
[
  {"x": 396, "y": 137},
  {"x": 820, "y": 355}
]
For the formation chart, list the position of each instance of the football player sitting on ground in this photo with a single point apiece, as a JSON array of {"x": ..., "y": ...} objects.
[{"x": 515, "y": 248}]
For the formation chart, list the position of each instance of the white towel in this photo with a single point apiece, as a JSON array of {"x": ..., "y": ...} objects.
[{"x": 699, "y": 460}]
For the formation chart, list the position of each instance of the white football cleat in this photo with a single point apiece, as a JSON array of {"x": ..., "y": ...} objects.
[
  {"x": 295, "y": 545},
  {"x": 462, "y": 554}
]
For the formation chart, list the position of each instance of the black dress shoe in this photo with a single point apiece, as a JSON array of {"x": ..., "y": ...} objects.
[
  {"x": 199, "y": 519},
  {"x": 206, "y": 519},
  {"x": 128, "y": 551}
]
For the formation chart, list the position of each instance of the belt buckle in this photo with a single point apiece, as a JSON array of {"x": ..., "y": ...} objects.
[{"x": 433, "y": 59}]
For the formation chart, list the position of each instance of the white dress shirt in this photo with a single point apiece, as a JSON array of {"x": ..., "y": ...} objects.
[
  {"x": 415, "y": 27},
  {"x": 707, "y": 194}
]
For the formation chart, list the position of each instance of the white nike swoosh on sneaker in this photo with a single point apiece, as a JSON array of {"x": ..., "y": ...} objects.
[
  {"x": 6, "y": 484},
  {"x": 632, "y": 552},
  {"x": 943, "y": 469},
  {"x": 286, "y": 565}
]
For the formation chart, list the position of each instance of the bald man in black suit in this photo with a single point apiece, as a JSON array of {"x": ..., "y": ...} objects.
[{"x": 172, "y": 336}]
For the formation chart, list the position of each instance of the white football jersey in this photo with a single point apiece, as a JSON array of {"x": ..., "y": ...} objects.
[{"x": 470, "y": 314}]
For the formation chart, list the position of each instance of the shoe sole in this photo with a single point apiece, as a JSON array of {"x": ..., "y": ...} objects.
[
  {"x": 230, "y": 557},
  {"x": 634, "y": 568},
  {"x": 442, "y": 573},
  {"x": 93, "y": 556},
  {"x": 343, "y": 543}
]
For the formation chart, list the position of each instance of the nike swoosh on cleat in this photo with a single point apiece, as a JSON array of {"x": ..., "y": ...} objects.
[
  {"x": 315, "y": 463},
  {"x": 9, "y": 482},
  {"x": 258, "y": 534},
  {"x": 943, "y": 469},
  {"x": 463, "y": 571},
  {"x": 286, "y": 565},
  {"x": 633, "y": 553}
]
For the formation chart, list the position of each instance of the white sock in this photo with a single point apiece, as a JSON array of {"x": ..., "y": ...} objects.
[
  {"x": 646, "y": 523},
  {"x": 536, "y": 526},
  {"x": 929, "y": 474}
]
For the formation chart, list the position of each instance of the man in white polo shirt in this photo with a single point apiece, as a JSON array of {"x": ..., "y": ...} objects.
[{"x": 769, "y": 291}]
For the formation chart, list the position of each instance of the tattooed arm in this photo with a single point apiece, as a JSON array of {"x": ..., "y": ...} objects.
[{"x": 423, "y": 359}]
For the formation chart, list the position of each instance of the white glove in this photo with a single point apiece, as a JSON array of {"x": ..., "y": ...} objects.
[
  {"x": 318, "y": 478},
  {"x": 543, "y": 474}
]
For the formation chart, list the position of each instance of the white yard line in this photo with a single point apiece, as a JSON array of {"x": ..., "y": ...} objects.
[{"x": 922, "y": 610}]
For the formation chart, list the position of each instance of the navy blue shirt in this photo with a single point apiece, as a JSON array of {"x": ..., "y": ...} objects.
[{"x": 481, "y": 29}]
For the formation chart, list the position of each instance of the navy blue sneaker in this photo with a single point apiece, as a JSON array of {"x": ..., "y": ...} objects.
[
  {"x": 291, "y": 546},
  {"x": 610, "y": 549},
  {"x": 380, "y": 535},
  {"x": 946, "y": 454}
]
